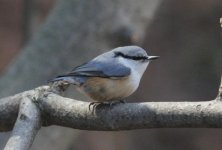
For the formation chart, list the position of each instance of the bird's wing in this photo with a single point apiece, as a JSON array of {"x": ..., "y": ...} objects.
[{"x": 101, "y": 69}]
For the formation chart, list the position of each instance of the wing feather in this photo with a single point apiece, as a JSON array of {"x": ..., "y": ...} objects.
[{"x": 101, "y": 69}]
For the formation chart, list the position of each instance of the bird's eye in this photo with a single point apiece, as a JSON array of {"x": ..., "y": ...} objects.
[{"x": 120, "y": 54}]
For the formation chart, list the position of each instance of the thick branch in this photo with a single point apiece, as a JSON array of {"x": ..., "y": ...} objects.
[
  {"x": 76, "y": 114},
  {"x": 26, "y": 127},
  {"x": 8, "y": 111},
  {"x": 9, "y": 108},
  {"x": 57, "y": 110}
]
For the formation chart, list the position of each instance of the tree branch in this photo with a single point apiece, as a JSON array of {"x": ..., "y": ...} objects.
[
  {"x": 52, "y": 109},
  {"x": 26, "y": 127},
  {"x": 75, "y": 114},
  {"x": 57, "y": 110},
  {"x": 8, "y": 111}
]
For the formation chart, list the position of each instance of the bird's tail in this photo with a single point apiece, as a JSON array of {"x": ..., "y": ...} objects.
[{"x": 64, "y": 79}]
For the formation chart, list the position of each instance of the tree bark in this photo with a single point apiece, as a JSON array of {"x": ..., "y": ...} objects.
[
  {"x": 57, "y": 110},
  {"x": 76, "y": 114},
  {"x": 26, "y": 127}
]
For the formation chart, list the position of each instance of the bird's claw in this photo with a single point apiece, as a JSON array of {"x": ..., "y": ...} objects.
[{"x": 110, "y": 104}]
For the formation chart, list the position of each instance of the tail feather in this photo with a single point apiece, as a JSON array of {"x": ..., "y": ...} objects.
[{"x": 67, "y": 79}]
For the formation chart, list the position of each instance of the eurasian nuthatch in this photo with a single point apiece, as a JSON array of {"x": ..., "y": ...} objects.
[{"x": 113, "y": 75}]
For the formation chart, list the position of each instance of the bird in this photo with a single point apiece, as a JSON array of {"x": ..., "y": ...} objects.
[{"x": 111, "y": 76}]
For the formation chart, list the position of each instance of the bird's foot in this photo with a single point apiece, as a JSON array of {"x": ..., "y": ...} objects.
[
  {"x": 94, "y": 104},
  {"x": 110, "y": 104},
  {"x": 113, "y": 103}
]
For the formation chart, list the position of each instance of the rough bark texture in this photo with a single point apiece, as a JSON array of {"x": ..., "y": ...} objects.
[
  {"x": 57, "y": 110},
  {"x": 76, "y": 114},
  {"x": 9, "y": 110}
]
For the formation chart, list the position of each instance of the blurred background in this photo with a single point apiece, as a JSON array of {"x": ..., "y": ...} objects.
[{"x": 40, "y": 39}]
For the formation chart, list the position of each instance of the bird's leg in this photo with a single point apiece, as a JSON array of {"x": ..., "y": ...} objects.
[
  {"x": 111, "y": 103},
  {"x": 94, "y": 104},
  {"x": 117, "y": 102}
]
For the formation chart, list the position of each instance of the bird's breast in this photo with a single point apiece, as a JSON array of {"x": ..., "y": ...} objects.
[{"x": 107, "y": 89}]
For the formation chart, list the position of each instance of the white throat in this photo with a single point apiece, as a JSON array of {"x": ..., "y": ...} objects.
[{"x": 135, "y": 66}]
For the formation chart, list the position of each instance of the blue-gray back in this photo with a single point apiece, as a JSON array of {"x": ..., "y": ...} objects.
[{"x": 101, "y": 69}]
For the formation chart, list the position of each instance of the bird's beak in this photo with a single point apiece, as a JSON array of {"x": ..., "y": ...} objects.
[{"x": 152, "y": 57}]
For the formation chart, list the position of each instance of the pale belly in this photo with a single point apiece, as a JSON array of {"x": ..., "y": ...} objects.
[{"x": 105, "y": 89}]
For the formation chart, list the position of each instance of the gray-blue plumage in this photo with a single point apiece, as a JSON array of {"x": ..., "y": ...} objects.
[
  {"x": 79, "y": 74},
  {"x": 110, "y": 76},
  {"x": 101, "y": 69}
]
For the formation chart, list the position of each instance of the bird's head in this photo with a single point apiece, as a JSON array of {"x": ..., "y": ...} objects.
[{"x": 134, "y": 57}]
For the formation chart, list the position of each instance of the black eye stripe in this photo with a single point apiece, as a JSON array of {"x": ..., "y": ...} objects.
[{"x": 117, "y": 54}]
